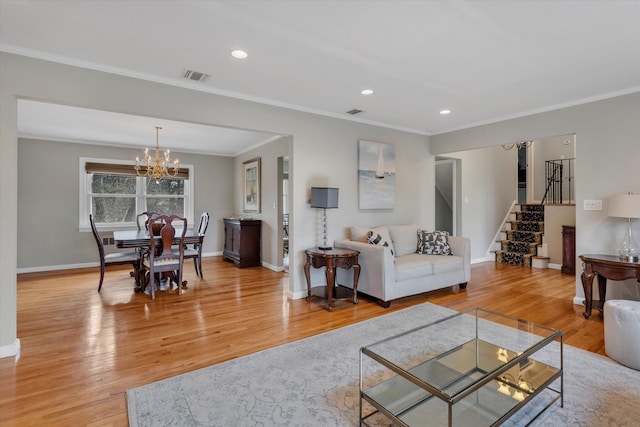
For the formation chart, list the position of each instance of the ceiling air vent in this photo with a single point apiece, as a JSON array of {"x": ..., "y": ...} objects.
[
  {"x": 354, "y": 111},
  {"x": 195, "y": 75}
]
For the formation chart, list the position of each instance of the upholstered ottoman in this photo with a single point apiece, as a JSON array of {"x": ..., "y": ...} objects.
[{"x": 622, "y": 331}]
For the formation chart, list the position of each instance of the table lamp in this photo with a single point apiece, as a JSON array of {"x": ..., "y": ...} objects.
[
  {"x": 324, "y": 198},
  {"x": 626, "y": 206}
]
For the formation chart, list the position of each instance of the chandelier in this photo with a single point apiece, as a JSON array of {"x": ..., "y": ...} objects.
[{"x": 157, "y": 167}]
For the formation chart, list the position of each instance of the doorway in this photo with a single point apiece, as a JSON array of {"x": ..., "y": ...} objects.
[
  {"x": 283, "y": 209},
  {"x": 445, "y": 195},
  {"x": 522, "y": 174}
]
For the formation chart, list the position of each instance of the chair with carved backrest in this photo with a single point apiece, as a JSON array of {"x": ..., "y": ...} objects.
[
  {"x": 195, "y": 252},
  {"x": 117, "y": 258},
  {"x": 142, "y": 219},
  {"x": 161, "y": 257}
]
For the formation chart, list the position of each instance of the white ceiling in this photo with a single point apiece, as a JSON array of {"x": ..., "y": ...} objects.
[
  {"x": 484, "y": 60},
  {"x": 56, "y": 122}
]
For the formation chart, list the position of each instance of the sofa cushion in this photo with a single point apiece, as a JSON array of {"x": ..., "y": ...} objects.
[
  {"x": 433, "y": 243},
  {"x": 380, "y": 237},
  {"x": 404, "y": 238},
  {"x": 445, "y": 264},
  {"x": 412, "y": 266},
  {"x": 360, "y": 234}
]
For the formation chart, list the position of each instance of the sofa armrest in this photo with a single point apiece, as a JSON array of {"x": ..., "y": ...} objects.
[
  {"x": 376, "y": 268},
  {"x": 461, "y": 246}
]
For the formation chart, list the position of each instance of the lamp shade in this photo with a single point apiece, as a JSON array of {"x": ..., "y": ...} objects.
[
  {"x": 324, "y": 197},
  {"x": 625, "y": 206}
]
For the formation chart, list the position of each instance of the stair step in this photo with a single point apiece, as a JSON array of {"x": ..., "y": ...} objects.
[
  {"x": 518, "y": 246},
  {"x": 540, "y": 262},
  {"x": 531, "y": 207},
  {"x": 527, "y": 225},
  {"x": 514, "y": 258},
  {"x": 525, "y": 236},
  {"x": 529, "y": 216}
]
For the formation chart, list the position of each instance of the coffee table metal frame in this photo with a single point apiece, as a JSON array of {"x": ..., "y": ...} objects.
[{"x": 478, "y": 371}]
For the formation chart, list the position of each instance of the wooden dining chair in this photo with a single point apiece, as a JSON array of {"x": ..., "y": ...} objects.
[
  {"x": 142, "y": 219},
  {"x": 117, "y": 258},
  {"x": 161, "y": 257},
  {"x": 195, "y": 252}
]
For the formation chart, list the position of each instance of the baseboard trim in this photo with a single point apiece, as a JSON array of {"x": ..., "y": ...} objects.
[
  {"x": 485, "y": 259},
  {"x": 272, "y": 267},
  {"x": 296, "y": 295},
  {"x": 11, "y": 349},
  {"x": 554, "y": 266},
  {"x": 56, "y": 267}
]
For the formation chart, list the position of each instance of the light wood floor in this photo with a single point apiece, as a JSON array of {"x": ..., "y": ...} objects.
[{"x": 81, "y": 350}]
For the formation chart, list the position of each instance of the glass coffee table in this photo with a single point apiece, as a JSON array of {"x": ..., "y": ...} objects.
[{"x": 473, "y": 368}]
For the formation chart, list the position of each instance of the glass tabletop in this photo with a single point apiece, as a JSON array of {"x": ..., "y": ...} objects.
[{"x": 450, "y": 355}]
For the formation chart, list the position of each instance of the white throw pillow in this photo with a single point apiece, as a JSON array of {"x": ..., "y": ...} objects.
[
  {"x": 404, "y": 238},
  {"x": 376, "y": 238}
]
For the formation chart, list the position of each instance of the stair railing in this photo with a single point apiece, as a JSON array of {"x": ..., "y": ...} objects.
[{"x": 555, "y": 172}]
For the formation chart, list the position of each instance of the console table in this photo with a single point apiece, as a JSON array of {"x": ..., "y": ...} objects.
[
  {"x": 606, "y": 267},
  {"x": 332, "y": 259}
]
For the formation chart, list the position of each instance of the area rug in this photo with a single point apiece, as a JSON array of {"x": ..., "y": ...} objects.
[{"x": 314, "y": 382}]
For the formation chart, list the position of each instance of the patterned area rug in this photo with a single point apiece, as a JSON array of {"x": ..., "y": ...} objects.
[{"x": 314, "y": 382}]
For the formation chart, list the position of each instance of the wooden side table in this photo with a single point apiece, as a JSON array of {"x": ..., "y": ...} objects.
[
  {"x": 332, "y": 259},
  {"x": 605, "y": 267}
]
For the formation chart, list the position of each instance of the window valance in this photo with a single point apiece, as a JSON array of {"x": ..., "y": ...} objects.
[{"x": 127, "y": 170}]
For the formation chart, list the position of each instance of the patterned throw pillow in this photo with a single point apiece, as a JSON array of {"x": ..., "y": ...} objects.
[
  {"x": 433, "y": 243},
  {"x": 376, "y": 239}
]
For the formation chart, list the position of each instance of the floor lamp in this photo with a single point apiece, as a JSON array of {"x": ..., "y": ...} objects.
[
  {"x": 626, "y": 206},
  {"x": 324, "y": 198}
]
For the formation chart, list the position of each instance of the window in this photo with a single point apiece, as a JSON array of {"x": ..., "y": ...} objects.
[{"x": 113, "y": 193}]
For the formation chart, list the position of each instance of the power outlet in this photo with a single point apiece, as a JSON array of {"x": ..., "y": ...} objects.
[{"x": 593, "y": 205}]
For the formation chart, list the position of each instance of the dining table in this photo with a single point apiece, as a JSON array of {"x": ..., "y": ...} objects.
[{"x": 141, "y": 241}]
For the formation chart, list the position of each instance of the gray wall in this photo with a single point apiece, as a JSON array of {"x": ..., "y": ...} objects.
[
  {"x": 323, "y": 152},
  {"x": 60, "y": 205},
  {"x": 607, "y": 159}
]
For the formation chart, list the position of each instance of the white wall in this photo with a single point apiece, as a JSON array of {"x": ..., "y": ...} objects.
[
  {"x": 607, "y": 159},
  {"x": 324, "y": 151}
]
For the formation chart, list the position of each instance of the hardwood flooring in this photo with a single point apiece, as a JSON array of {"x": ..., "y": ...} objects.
[{"x": 81, "y": 350}]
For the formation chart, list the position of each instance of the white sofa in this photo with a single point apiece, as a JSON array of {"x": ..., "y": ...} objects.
[{"x": 397, "y": 270}]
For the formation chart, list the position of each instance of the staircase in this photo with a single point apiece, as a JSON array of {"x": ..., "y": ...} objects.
[{"x": 523, "y": 237}]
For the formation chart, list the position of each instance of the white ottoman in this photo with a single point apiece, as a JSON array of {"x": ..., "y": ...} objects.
[{"x": 622, "y": 331}]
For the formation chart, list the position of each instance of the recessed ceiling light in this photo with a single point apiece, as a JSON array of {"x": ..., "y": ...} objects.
[
  {"x": 239, "y": 54},
  {"x": 367, "y": 92},
  {"x": 445, "y": 112}
]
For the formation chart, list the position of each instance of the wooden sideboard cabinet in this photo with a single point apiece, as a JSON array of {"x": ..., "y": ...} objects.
[
  {"x": 568, "y": 249},
  {"x": 242, "y": 241}
]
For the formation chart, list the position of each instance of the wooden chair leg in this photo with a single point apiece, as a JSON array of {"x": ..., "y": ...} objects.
[
  {"x": 152, "y": 282},
  {"x": 195, "y": 266},
  {"x": 102, "y": 267}
]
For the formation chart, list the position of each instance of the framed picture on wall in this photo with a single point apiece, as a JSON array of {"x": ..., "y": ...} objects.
[
  {"x": 251, "y": 185},
  {"x": 376, "y": 175}
]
